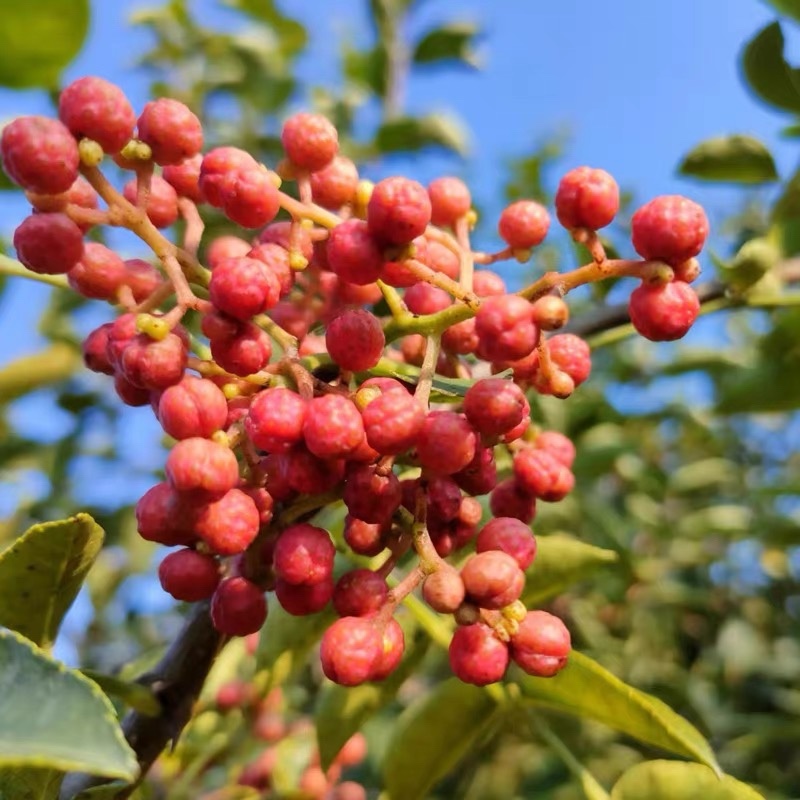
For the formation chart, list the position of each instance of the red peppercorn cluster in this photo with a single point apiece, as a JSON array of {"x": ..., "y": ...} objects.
[{"x": 352, "y": 348}]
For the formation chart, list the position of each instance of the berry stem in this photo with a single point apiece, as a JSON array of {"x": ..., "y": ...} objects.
[
  {"x": 13, "y": 269},
  {"x": 564, "y": 282},
  {"x": 441, "y": 281},
  {"x": 194, "y": 225},
  {"x": 487, "y": 259},
  {"x": 287, "y": 342},
  {"x": 427, "y": 324},
  {"x": 466, "y": 258},
  {"x": 428, "y": 369},
  {"x": 299, "y": 210},
  {"x": 394, "y": 301}
]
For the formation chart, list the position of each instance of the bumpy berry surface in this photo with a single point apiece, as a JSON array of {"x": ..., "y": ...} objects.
[
  {"x": 492, "y": 579},
  {"x": 275, "y": 420},
  {"x": 228, "y": 524},
  {"x": 94, "y": 108},
  {"x": 524, "y": 224},
  {"x": 370, "y": 495},
  {"x": 153, "y": 364},
  {"x": 200, "y": 464},
  {"x": 444, "y": 590},
  {"x": 350, "y": 650},
  {"x": 304, "y": 555},
  {"x": 310, "y": 141},
  {"x": 249, "y": 198},
  {"x": 398, "y": 211},
  {"x": 238, "y": 607},
  {"x": 99, "y": 272},
  {"x": 541, "y": 645},
  {"x": 669, "y": 228},
  {"x": 450, "y": 199},
  {"x": 511, "y": 536},
  {"x": 185, "y": 178},
  {"x": 446, "y": 442},
  {"x": 243, "y": 287},
  {"x": 335, "y": 185},
  {"x": 162, "y": 202},
  {"x": 353, "y": 254},
  {"x": 587, "y": 198},
  {"x": 332, "y": 427},
  {"x": 664, "y": 313},
  {"x": 509, "y": 499},
  {"x": 494, "y": 406},
  {"x": 299, "y": 600},
  {"x": 48, "y": 244},
  {"x": 163, "y": 516},
  {"x": 188, "y": 575},
  {"x": 172, "y": 130},
  {"x": 477, "y": 656},
  {"x": 359, "y": 593},
  {"x": 393, "y": 646},
  {"x": 39, "y": 154},
  {"x": 505, "y": 329},
  {"x": 355, "y": 340},
  {"x": 542, "y": 474},
  {"x": 216, "y": 169}
]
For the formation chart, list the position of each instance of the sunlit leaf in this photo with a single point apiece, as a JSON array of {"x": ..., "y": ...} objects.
[{"x": 736, "y": 159}]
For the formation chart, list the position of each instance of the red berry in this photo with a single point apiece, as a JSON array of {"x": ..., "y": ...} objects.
[
  {"x": 238, "y": 607},
  {"x": 200, "y": 464},
  {"x": 511, "y": 536},
  {"x": 663, "y": 313},
  {"x": 477, "y": 656},
  {"x": 245, "y": 353},
  {"x": 39, "y": 154},
  {"x": 492, "y": 579},
  {"x": 369, "y": 495},
  {"x": 333, "y": 426},
  {"x": 446, "y": 443},
  {"x": 94, "y": 350},
  {"x": 398, "y": 211},
  {"x": 444, "y": 590},
  {"x": 141, "y": 278},
  {"x": 243, "y": 287},
  {"x": 541, "y": 645},
  {"x": 587, "y": 198},
  {"x": 541, "y": 474},
  {"x": 488, "y": 284},
  {"x": 353, "y": 254},
  {"x": 524, "y": 224},
  {"x": 450, "y": 200},
  {"x": 217, "y": 168},
  {"x": 669, "y": 228},
  {"x": 290, "y": 236},
  {"x": 173, "y": 132},
  {"x": 494, "y": 406},
  {"x": 393, "y": 421},
  {"x": 364, "y": 538},
  {"x": 163, "y": 516},
  {"x": 570, "y": 354},
  {"x": 250, "y": 198},
  {"x": 394, "y": 644},
  {"x": 185, "y": 178},
  {"x": 48, "y": 244},
  {"x": 94, "y": 108},
  {"x": 80, "y": 194},
  {"x": 224, "y": 247},
  {"x": 162, "y": 201},
  {"x": 480, "y": 475},
  {"x": 509, "y": 499},
  {"x": 98, "y": 274},
  {"x": 188, "y": 575},
  {"x": 131, "y": 394},
  {"x": 310, "y": 141},
  {"x": 350, "y": 650},
  {"x": 335, "y": 185},
  {"x": 229, "y": 524},
  {"x": 550, "y": 313},
  {"x": 307, "y": 474},
  {"x": 154, "y": 364},
  {"x": 355, "y": 340},
  {"x": 422, "y": 298},
  {"x": 504, "y": 324},
  {"x": 304, "y": 555},
  {"x": 359, "y": 593},
  {"x": 557, "y": 445},
  {"x": 300, "y": 600},
  {"x": 275, "y": 420}
]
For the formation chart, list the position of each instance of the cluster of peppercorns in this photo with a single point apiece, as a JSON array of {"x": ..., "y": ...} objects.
[{"x": 325, "y": 358}]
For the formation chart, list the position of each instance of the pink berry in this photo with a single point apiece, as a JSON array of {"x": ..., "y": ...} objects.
[
  {"x": 446, "y": 443},
  {"x": 450, "y": 200},
  {"x": 398, "y": 211},
  {"x": 246, "y": 352},
  {"x": 663, "y": 313},
  {"x": 310, "y": 141},
  {"x": 238, "y": 607},
  {"x": 510, "y": 536},
  {"x": 524, "y": 224},
  {"x": 224, "y": 247},
  {"x": 570, "y": 354},
  {"x": 422, "y": 298},
  {"x": 393, "y": 421},
  {"x": 333, "y": 426},
  {"x": 200, "y": 464},
  {"x": 163, "y": 516},
  {"x": 669, "y": 228},
  {"x": 99, "y": 273},
  {"x": 335, "y": 185},
  {"x": 94, "y": 108},
  {"x": 359, "y": 593},
  {"x": 355, "y": 340},
  {"x": 39, "y": 154},
  {"x": 587, "y": 198},
  {"x": 300, "y": 600},
  {"x": 275, "y": 420},
  {"x": 509, "y": 499},
  {"x": 185, "y": 178},
  {"x": 492, "y": 579},
  {"x": 557, "y": 445},
  {"x": 480, "y": 475},
  {"x": 541, "y": 645},
  {"x": 350, "y": 649},
  {"x": 141, "y": 278},
  {"x": 228, "y": 524},
  {"x": 217, "y": 168},
  {"x": 541, "y": 474},
  {"x": 505, "y": 329},
  {"x": 391, "y": 654},
  {"x": 364, "y": 538},
  {"x": 444, "y": 590},
  {"x": 188, "y": 575},
  {"x": 48, "y": 244},
  {"x": 193, "y": 407},
  {"x": 304, "y": 555},
  {"x": 162, "y": 202},
  {"x": 171, "y": 129},
  {"x": 477, "y": 656},
  {"x": 154, "y": 364},
  {"x": 353, "y": 253},
  {"x": 94, "y": 350},
  {"x": 250, "y": 198},
  {"x": 243, "y": 287},
  {"x": 369, "y": 495},
  {"x": 494, "y": 406}
]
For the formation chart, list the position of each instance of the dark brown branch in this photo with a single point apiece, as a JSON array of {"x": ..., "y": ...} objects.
[{"x": 176, "y": 682}]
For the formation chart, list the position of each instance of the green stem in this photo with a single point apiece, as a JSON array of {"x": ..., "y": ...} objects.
[{"x": 13, "y": 269}]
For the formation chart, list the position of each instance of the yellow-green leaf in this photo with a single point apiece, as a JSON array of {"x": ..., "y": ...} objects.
[
  {"x": 432, "y": 735},
  {"x": 28, "y": 373},
  {"x": 42, "y": 572},
  {"x": 586, "y": 689},
  {"x": 29, "y": 784},
  {"x": 738, "y": 159},
  {"x": 675, "y": 780},
  {"x": 55, "y": 718}
]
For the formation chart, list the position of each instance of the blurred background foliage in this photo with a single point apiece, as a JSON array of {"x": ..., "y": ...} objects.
[{"x": 688, "y": 468}]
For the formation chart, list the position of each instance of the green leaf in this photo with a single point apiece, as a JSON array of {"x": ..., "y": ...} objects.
[
  {"x": 37, "y": 40},
  {"x": 132, "y": 694},
  {"x": 586, "y": 689},
  {"x": 286, "y": 641},
  {"x": 42, "y": 572},
  {"x": 767, "y": 72},
  {"x": 293, "y": 756},
  {"x": 452, "y": 42},
  {"x": 788, "y": 8},
  {"x": 560, "y": 562},
  {"x": 432, "y": 735},
  {"x": 53, "y": 717},
  {"x": 674, "y": 780},
  {"x": 56, "y": 363},
  {"x": 409, "y": 134},
  {"x": 292, "y": 35},
  {"x": 29, "y": 784},
  {"x": 366, "y": 68},
  {"x": 765, "y": 389},
  {"x": 738, "y": 159}
]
